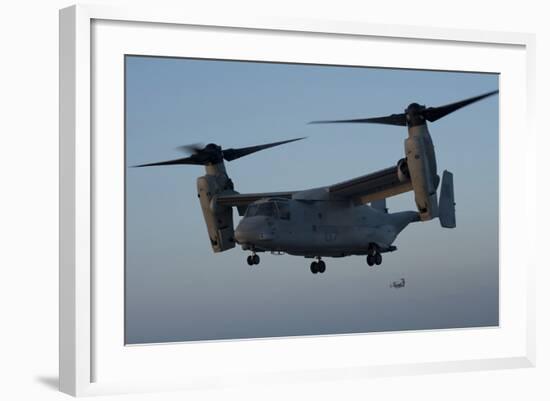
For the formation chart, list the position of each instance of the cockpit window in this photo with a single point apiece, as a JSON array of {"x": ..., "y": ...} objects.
[
  {"x": 269, "y": 209},
  {"x": 263, "y": 209},
  {"x": 251, "y": 210}
]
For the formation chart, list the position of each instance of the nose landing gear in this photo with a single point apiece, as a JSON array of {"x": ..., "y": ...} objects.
[
  {"x": 253, "y": 259},
  {"x": 318, "y": 267}
]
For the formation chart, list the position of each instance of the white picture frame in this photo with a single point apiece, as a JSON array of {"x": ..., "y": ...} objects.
[{"x": 93, "y": 359}]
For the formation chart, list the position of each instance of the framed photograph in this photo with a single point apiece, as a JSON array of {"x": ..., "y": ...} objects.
[{"x": 276, "y": 200}]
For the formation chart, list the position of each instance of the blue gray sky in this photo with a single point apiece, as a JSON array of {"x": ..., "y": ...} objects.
[{"x": 177, "y": 289}]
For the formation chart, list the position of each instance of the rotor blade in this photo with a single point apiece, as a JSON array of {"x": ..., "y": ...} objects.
[
  {"x": 394, "y": 119},
  {"x": 185, "y": 160},
  {"x": 435, "y": 113},
  {"x": 232, "y": 154},
  {"x": 191, "y": 148}
]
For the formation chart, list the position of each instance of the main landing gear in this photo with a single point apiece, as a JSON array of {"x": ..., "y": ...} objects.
[
  {"x": 374, "y": 257},
  {"x": 253, "y": 259},
  {"x": 318, "y": 267}
]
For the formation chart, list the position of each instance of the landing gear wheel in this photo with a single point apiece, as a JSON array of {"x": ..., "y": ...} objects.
[
  {"x": 256, "y": 259},
  {"x": 370, "y": 260},
  {"x": 314, "y": 267},
  {"x": 378, "y": 259},
  {"x": 321, "y": 266},
  {"x": 249, "y": 260}
]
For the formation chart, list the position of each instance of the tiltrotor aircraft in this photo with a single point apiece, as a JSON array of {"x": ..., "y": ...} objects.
[
  {"x": 398, "y": 284},
  {"x": 347, "y": 218}
]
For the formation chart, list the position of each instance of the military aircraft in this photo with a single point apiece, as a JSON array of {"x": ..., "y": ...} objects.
[
  {"x": 398, "y": 284},
  {"x": 343, "y": 219}
]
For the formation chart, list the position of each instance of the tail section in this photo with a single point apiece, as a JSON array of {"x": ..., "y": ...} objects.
[
  {"x": 447, "y": 216},
  {"x": 400, "y": 220}
]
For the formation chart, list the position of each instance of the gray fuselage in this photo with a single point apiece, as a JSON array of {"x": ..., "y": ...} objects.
[{"x": 315, "y": 228}]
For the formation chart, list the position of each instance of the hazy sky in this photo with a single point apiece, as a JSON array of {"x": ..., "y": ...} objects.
[{"x": 177, "y": 289}]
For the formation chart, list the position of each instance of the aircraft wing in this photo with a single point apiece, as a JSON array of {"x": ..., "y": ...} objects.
[
  {"x": 241, "y": 201},
  {"x": 374, "y": 186},
  {"x": 364, "y": 189}
]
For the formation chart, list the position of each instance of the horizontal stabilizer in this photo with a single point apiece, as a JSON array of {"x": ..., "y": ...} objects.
[{"x": 447, "y": 216}]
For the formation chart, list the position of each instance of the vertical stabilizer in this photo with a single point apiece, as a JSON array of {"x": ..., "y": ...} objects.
[{"x": 447, "y": 216}]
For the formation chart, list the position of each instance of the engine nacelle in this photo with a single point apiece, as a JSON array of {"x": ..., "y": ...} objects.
[
  {"x": 422, "y": 169},
  {"x": 218, "y": 219},
  {"x": 403, "y": 173}
]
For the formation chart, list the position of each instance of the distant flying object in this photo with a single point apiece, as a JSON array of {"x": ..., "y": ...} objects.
[
  {"x": 398, "y": 284},
  {"x": 347, "y": 218}
]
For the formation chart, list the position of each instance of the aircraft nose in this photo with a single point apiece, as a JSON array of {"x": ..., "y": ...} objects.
[
  {"x": 243, "y": 237},
  {"x": 252, "y": 230}
]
